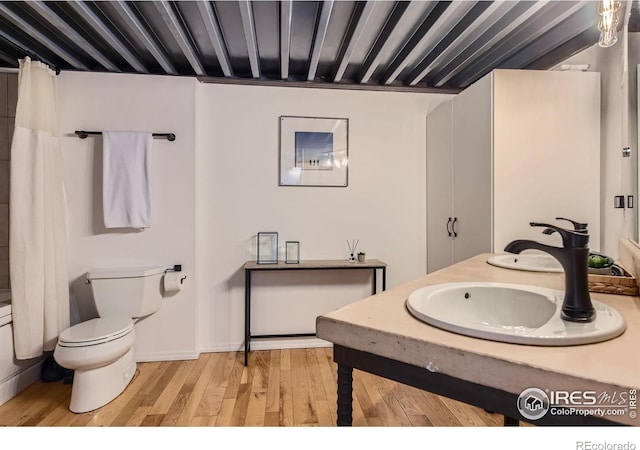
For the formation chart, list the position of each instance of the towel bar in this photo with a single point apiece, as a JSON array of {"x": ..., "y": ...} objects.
[{"x": 169, "y": 136}]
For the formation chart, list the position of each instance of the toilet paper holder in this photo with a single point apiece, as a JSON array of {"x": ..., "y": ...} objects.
[{"x": 176, "y": 268}]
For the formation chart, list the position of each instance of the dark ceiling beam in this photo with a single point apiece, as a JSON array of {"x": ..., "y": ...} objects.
[
  {"x": 466, "y": 32},
  {"x": 572, "y": 27},
  {"x": 105, "y": 33},
  {"x": 507, "y": 24},
  {"x": 354, "y": 32},
  {"x": 173, "y": 23},
  {"x": 8, "y": 59},
  {"x": 318, "y": 40},
  {"x": 22, "y": 47},
  {"x": 249, "y": 27},
  {"x": 326, "y": 85},
  {"x": 392, "y": 44},
  {"x": 544, "y": 22},
  {"x": 138, "y": 28},
  {"x": 439, "y": 23},
  {"x": 64, "y": 28},
  {"x": 28, "y": 29},
  {"x": 581, "y": 42},
  {"x": 210, "y": 20},
  {"x": 400, "y": 10},
  {"x": 286, "y": 17}
]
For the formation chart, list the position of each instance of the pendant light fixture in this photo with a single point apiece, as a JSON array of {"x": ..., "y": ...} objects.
[{"x": 608, "y": 22}]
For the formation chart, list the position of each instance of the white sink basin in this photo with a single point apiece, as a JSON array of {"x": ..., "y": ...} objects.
[
  {"x": 512, "y": 313},
  {"x": 532, "y": 262}
]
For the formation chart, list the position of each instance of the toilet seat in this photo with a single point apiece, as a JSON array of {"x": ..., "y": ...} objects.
[{"x": 95, "y": 332}]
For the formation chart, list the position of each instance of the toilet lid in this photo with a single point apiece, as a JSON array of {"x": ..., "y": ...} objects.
[{"x": 96, "y": 331}]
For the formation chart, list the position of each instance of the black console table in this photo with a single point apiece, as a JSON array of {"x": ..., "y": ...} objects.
[{"x": 253, "y": 266}]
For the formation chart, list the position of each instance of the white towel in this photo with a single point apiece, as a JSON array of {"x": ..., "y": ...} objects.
[{"x": 126, "y": 187}]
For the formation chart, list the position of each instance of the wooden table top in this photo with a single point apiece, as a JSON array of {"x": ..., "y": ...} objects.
[{"x": 316, "y": 264}]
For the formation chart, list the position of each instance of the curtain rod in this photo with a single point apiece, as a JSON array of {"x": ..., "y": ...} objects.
[{"x": 169, "y": 136}]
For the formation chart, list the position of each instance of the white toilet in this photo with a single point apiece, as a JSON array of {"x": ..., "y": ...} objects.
[{"x": 100, "y": 351}]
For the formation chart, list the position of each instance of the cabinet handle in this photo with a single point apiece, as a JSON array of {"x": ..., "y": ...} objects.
[
  {"x": 453, "y": 227},
  {"x": 449, "y": 229}
]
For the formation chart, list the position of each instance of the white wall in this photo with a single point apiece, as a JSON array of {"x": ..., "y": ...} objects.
[
  {"x": 238, "y": 196},
  {"x": 92, "y": 101},
  {"x": 216, "y": 186},
  {"x": 233, "y": 179},
  {"x": 618, "y": 174}
]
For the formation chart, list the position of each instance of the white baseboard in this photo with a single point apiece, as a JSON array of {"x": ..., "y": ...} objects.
[
  {"x": 268, "y": 344},
  {"x": 168, "y": 356},
  {"x": 257, "y": 344},
  {"x": 14, "y": 385}
]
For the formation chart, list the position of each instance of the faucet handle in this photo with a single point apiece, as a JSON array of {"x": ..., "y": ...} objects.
[
  {"x": 570, "y": 238},
  {"x": 577, "y": 226}
]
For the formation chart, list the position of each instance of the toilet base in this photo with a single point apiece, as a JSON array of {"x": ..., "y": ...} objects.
[{"x": 94, "y": 388}]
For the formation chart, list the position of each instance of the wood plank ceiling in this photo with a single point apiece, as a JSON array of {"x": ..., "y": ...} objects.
[{"x": 442, "y": 45}]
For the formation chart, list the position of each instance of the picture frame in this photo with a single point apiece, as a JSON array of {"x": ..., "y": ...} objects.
[
  {"x": 267, "y": 247},
  {"x": 292, "y": 252},
  {"x": 314, "y": 151}
]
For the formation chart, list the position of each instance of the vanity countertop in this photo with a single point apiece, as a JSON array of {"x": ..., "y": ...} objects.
[{"x": 382, "y": 325}]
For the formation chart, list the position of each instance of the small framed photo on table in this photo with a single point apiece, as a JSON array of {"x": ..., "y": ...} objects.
[
  {"x": 314, "y": 151},
  {"x": 292, "y": 252},
  {"x": 267, "y": 248}
]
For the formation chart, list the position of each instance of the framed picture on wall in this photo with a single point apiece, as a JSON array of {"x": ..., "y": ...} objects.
[{"x": 314, "y": 151}]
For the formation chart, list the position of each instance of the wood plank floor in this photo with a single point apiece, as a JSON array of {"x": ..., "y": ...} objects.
[{"x": 294, "y": 387}]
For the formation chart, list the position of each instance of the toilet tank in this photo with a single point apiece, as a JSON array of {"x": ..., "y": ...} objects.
[{"x": 131, "y": 292}]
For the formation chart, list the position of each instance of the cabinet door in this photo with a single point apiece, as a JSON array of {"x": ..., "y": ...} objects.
[
  {"x": 546, "y": 152},
  {"x": 472, "y": 170},
  {"x": 439, "y": 244}
]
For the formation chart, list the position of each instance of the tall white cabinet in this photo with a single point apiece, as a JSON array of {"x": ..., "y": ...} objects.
[{"x": 516, "y": 146}]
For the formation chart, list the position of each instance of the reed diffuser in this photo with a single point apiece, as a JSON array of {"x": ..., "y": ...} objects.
[{"x": 352, "y": 249}]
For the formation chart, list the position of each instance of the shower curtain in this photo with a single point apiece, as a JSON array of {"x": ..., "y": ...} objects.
[{"x": 37, "y": 217}]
